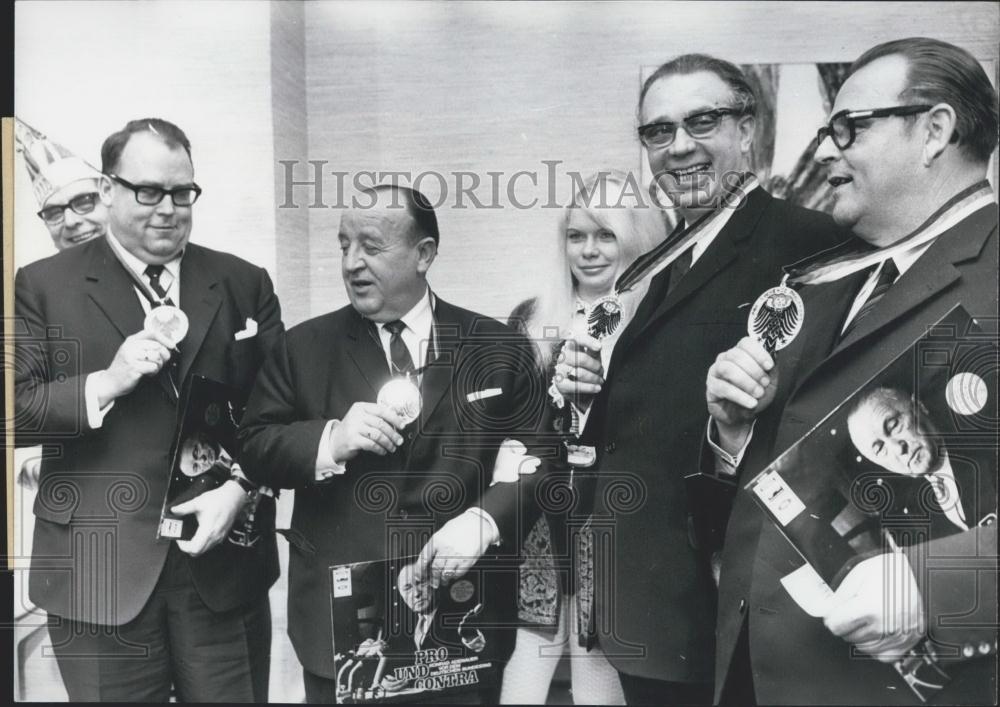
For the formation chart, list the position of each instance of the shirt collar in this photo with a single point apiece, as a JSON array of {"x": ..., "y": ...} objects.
[
  {"x": 420, "y": 318},
  {"x": 136, "y": 265}
]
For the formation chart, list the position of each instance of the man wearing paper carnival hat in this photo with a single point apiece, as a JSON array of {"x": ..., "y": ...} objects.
[{"x": 65, "y": 187}]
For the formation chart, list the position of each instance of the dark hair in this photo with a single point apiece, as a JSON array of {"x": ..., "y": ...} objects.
[
  {"x": 417, "y": 205},
  {"x": 939, "y": 72},
  {"x": 743, "y": 96},
  {"x": 172, "y": 136}
]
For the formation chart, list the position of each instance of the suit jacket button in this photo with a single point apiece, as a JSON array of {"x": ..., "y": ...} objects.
[
  {"x": 968, "y": 650},
  {"x": 411, "y": 434},
  {"x": 610, "y": 447},
  {"x": 743, "y": 605},
  {"x": 984, "y": 647}
]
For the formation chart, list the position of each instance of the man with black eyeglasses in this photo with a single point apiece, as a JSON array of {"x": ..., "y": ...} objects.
[
  {"x": 131, "y": 616},
  {"x": 654, "y": 604},
  {"x": 906, "y": 151},
  {"x": 65, "y": 186}
]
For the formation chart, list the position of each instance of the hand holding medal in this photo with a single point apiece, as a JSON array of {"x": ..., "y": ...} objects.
[{"x": 367, "y": 427}]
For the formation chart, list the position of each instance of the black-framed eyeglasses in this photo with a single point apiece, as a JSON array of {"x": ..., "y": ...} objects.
[
  {"x": 842, "y": 126},
  {"x": 80, "y": 204},
  {"x": 697, "y": 125},
  {"x": 149, "y": 195}
]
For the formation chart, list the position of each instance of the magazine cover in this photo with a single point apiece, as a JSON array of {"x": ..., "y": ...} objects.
[
  {"x": 910, "y": 456},
  {"x": 397, "y": 638},
  {"x": 201, "y": 459}
]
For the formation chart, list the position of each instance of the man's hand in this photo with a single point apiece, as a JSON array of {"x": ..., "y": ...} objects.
[
  {"x": 31, "y": 471},
  {"x": 455, "y": 548},
  {"x": 367, "y": 427},
  {"x": 215, "y": 511},
  {"x": 878, "y": 608},
  {"x": 579, "y": 372},
  {"x": 741, "y": 384},
  {"x": 142, "y": 354}
]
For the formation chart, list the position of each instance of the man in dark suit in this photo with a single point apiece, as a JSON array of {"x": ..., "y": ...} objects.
[
  {"x": 907, "y": 151},
  {"x": 376, "y": 475},
  {"x": 655, "y": 597},
  {"x": 132, "y": 616}
]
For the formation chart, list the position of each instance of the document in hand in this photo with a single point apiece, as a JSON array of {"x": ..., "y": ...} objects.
[
  {"x": 900, "y": 461},
  {"x": 397, "y": 638},
  {"x": 201, "y": 460}
]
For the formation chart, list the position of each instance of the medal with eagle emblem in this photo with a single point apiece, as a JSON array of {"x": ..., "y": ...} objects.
[
  {"x": 776, "y": 318},
  {"x": 604, "y": 316}
]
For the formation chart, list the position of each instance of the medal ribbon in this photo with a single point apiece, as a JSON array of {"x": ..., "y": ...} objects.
[
  {"x": 144, "y": 289},
  {"x": 843, "y": 260},
  {"x": 677, "y": 244},
  {"x": 432, "y": 354}
]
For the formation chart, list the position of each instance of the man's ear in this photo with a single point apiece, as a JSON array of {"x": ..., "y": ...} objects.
[
  {"x": 104, "y": 189},
  {"x": 746, "y": 125},
  {"x": 941, "y": 124},
  {"x": 426, "y": 252}
]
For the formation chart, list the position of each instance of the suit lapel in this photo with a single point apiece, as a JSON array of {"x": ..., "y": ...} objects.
[
  {"x": 727, "y": 245},
  {"x": 448, "y": 334},
  {"x": 930, "y": 275},
  {"x": 366, "y": 352},
  {"x": 200, "y": 302},
  {"x": 111, "y": 289}
]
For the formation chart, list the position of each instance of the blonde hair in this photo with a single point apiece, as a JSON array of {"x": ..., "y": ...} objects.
[{"x": 638, "y": 226}]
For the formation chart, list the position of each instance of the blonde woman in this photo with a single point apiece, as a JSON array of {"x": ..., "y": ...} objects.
[{"x": 601, "y": 231}]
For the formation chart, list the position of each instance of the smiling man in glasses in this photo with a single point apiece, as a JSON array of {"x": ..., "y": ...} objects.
[
  {"x": 646, "y": 423},
  {"x": 131, "y": 616},
  {"x": 907, "y": 151},
  {"x": 65, "y": 186}
]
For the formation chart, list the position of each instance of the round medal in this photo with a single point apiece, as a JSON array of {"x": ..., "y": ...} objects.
[
  {"x": 776, "y": 318},
  {"x": 604, "y": 316},
  {"x": 403, "y": 396},
  {"x": 168, "y": 321}
]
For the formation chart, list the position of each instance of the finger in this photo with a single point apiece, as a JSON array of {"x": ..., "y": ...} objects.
[
  {"x": 841, "y": 620},
  {"x": 383, "y": 444},
  {"x": 728, "y": 372},
  {"x": 195, "y": 546},
  {"x": 720, "y": 391},
  {"x": 387, "y": 427},
  {"x": 756, "y": 350},
  {"x": 186, "y": 508},
  {"x": 866, "y": 633},
  {"x": 747, "y": 363},
  {"x": 584, "y": 360},
  {"x": 570, "y": 388},
  {"x": 586, "y": 342}
]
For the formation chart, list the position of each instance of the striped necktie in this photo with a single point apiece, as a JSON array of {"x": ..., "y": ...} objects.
[
  {"x": 885, "y": 279},
  {"x": 402, "y": 362}
]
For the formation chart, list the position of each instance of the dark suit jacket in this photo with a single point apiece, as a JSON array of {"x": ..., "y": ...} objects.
[
  {"x": 816, "y": 373},
  {"x": 389, "y": 505},
  {"x": 96, "y": 557},
  {"x": 655, "y": 599}
]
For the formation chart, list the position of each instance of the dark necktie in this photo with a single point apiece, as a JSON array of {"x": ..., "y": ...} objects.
[
  {"x": 679, "y": 268},
  {"x": 886, "y": 277},
  {"x": 402, "y": 362},
  {"x": 153, "y": 272}
]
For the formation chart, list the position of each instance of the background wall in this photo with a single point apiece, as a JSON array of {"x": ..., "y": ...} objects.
[{"x": 422, "y": 86}]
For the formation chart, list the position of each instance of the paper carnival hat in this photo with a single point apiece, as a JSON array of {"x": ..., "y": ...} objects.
[{"x": 50, "y": 165}]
